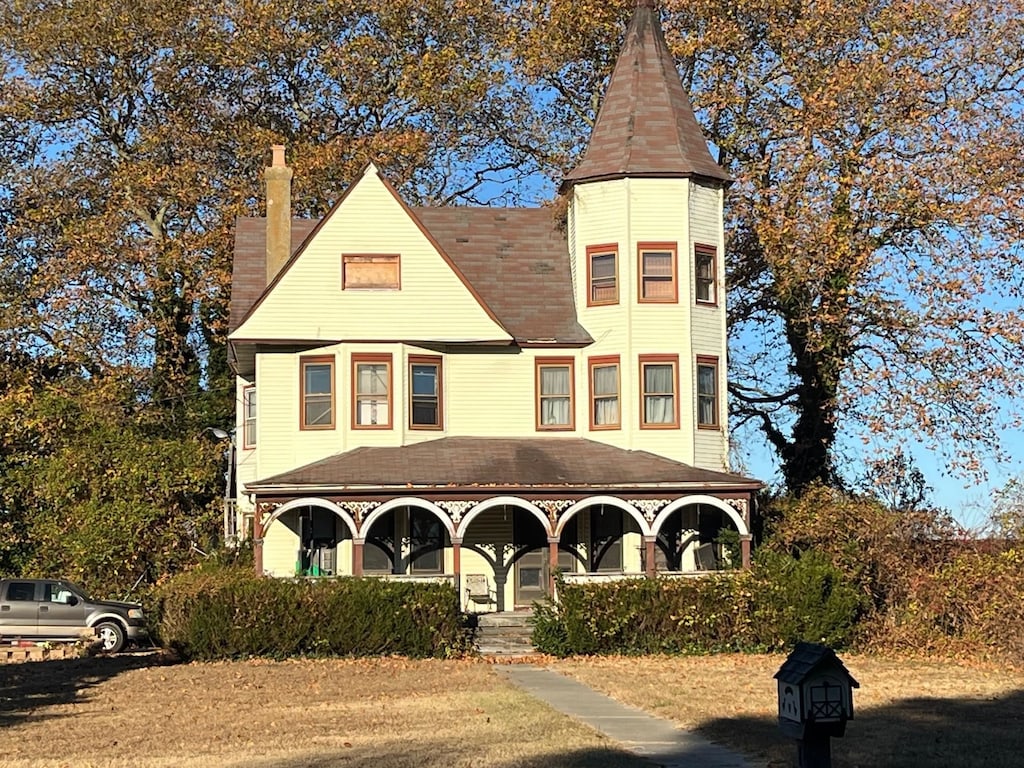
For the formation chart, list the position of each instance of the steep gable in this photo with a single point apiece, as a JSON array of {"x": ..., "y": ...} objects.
[{"x": 429, "y": 301}]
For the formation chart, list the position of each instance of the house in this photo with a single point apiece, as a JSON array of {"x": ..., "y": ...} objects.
[{"x": 487, "y": 395}]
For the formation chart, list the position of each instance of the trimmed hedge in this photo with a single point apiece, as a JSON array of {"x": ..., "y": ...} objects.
[
  {"x": 227, "y": 613},
  {"x": 780, "y": 601}
]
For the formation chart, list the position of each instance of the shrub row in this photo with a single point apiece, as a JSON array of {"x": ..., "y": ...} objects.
[
  {"x": 219, "y": 613},
  {"x": 781, "y": 600}
]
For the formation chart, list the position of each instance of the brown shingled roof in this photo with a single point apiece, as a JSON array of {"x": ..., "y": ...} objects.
[
  {"x": 517, "y": 260},
  {"x": 502, "y": 462},
  {"x": 646, "y": 125}
]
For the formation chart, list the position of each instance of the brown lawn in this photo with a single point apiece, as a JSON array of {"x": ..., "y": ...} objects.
[
  {"x": 908, "y": 713},
  {"x": 133, "y": 711}
]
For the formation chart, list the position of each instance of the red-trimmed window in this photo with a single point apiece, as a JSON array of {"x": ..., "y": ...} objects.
[
  {"x": 317, "y": 406},
  {"x": 555, "y": 386},
  {"x": 605, "y": 406},
  {"x": 659, "y": 387},
  {"x": 707, "y": 393},
  {"x": 370, "y": 271},
  {"x": 657, "y": 263},
  {"x": 602, "y": 275},
  {"x": 248, "y": 417},
  {"x": 371, "y": 391},
  {"x": 425, "y": 393},
  {"x": 705, "y": 260}
]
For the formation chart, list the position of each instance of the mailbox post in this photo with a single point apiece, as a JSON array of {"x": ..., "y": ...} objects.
[{"x": 815, "y": 701}]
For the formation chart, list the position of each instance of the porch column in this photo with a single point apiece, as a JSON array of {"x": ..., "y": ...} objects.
[
  {"x": 357, "y": 556},
  {"x": 649, "y": 570},
  {"x": 257, "y": 541},
  {"x": 457, "y": 559},
  {"x": 745, "y": 540},
  {"x": 552, "y": 564}
]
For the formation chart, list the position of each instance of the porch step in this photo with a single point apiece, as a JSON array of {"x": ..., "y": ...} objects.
[{"x": 504, "y": 635}]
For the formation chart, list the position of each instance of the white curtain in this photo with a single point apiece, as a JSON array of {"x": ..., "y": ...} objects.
[
  {"x": 659, "y": 395},
  {"x": 554, "y": 395},
  {"x": 606, "y": 395}
]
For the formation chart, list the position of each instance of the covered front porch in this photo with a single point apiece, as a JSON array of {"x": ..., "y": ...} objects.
[{"x": 501, "y": 543}]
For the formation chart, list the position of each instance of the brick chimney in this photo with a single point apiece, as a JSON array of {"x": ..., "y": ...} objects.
[{"x": 279, "y": 212}]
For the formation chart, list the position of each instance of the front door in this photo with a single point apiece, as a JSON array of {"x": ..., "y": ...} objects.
[{"x": 531, "y": 573}]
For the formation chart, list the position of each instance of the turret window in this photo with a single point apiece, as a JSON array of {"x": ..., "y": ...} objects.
[
  {"x": 604, "y": 393},
  {"x": 602, "y": 275},
  {"x": 659, "y": 383},
  {"x": 704, "y": 259},
  {"x": 707, "y": 392},
  {"x": 657, "y": 263}
]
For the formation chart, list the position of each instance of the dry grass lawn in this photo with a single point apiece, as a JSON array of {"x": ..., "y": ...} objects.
[
  {"x": 908, "y": 713},
  {"x": 390, "y": 713}
]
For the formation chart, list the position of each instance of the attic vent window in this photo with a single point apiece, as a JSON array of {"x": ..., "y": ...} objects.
[{"x": 370, "y": 271}]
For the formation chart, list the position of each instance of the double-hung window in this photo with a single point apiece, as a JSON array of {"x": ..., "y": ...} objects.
[
  {"x": 657, "y": 262},
  {"x": 317, "y": 407},
  {"x": 249, "y": 417},
  {"x": 659, "y": 387},
  {"x": 425, "y": 393},
  {"x": 604, "y": 393},
  {"x": 554, "y": 393},
  {"x": 705, "y": 258},
  {"x": 707, "y": 392},
  {"x": 602, "y": 275},
  {"x": 371, "y": 391}
]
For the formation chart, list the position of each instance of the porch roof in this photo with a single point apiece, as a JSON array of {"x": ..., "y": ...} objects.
[{"x": 475, "y": 463}]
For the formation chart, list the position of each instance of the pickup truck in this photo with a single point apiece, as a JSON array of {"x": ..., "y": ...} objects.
[{"x": 54, "y": 609}]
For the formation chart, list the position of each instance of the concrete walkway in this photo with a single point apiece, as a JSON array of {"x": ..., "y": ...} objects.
[{"x": 651, "y": 737}]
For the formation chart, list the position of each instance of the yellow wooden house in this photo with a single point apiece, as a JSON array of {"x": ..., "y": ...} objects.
[{"x": 488, "y": 395}]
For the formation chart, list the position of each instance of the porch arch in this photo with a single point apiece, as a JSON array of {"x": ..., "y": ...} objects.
[
  {"x": 312, "y": 502},
  {"x": 393, "y": 504},
  {"x": 497, "y": 501},
  {"x": 711, "y": 501},
  {"x": 611, "y": 501}
]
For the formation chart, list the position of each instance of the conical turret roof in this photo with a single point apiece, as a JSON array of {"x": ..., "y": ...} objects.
[{"x": 646, "y": 126}]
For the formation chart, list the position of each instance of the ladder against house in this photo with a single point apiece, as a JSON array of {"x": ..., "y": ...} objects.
[{"x": 504, "y": 635}]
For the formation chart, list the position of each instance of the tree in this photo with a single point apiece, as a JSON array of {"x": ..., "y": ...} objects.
[{"x": 874, "y": 246}]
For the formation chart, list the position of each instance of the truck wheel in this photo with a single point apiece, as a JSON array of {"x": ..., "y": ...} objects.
[{"x": 111, "y": 636}]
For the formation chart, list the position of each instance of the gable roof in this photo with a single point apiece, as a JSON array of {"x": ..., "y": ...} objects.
[
  {"x": 646, "y": 125},
  {"x": 516, "y": 259},
  {"x": 478, "y": 462}
]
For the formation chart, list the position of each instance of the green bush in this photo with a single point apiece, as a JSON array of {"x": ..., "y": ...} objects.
[
  {"x": 223, "y": 612},
  {"x": 782, "y": 600}
]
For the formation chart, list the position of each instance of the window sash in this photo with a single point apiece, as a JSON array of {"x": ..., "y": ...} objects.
[
  {"x": 372, "y": 396},
  {"x": 704, "y": 274},
  {"x": 707, "y": 394},
  {"x": 249, "y": 417},
  {"x": 424, "y": 394},
  {"x": 603, "y": 278},
  {"x": 658, "y": 384},
  {"x": 657, "y": 274},
  {"x": 605, "y": 398},
  {"x": 317, "y": 395},
  {"x": 554, "y": 395}
]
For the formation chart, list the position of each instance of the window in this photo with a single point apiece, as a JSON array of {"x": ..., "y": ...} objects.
[
  {"x": 705, "y": 258},
  {"x": 554, "y": 393},
  {"x": 604, "y": 393},
  {"x": 317, "y": 392},
  {"x": 249, "y": 417},
  {"x": 368, "y": 271},
  {"x": 658, "y": 272},
  {"x": 425, "y": 393},
  {"x": 707, "y": 392},
  {"x": 601, "y": 275},
  {"x": 659, "y": 382},
  {"x": 371, "y": 391}
]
